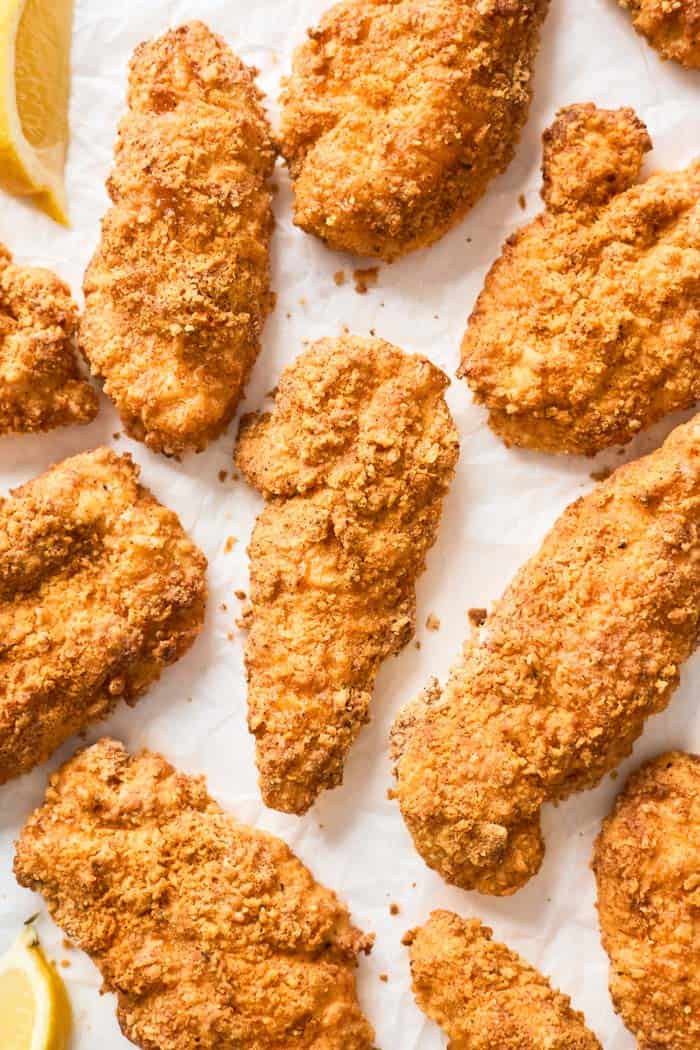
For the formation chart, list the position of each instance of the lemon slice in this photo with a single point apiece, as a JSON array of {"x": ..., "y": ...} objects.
[
  {"x": 34, "y": 1008},
  {"x": 35, "y": 40}
]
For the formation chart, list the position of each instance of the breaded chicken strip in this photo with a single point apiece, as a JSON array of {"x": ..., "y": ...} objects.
[
  {"x": 178, "y": 291},
  {"x": 40, "y": 385},
  {"x": 354, "y": 463},
  {"x": 670, "y": 26},
  {"x": 647, "y": 866},
  {"x": 398, "y": 113},
  {"x": 588, "y": 326},
  {"x": 100, "y": 589},
  {"x": 554, "y": 689},
  {"x": 212, "y": 934},
  {"x": 484, "y": 996}
]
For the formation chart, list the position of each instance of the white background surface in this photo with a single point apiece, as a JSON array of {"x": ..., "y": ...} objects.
[{"x": 500, "y": 506}]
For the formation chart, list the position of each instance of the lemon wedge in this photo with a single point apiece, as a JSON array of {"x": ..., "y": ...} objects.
[
  {"x": 35, "y": 42},
  {"x": 34, "y": 1008}
]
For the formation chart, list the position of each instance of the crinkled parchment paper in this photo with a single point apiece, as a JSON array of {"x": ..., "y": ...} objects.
[{"x": 500, "y": 506}]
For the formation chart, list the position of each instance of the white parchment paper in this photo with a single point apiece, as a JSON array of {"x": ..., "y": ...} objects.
[{"x": 500, "y": 506}]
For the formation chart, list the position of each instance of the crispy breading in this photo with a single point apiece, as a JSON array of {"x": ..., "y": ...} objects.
[
  {"x": 552, "y": 691},
  {"x": 354, "y": 464},
  {"x": 485, "y": 996},
  {"x": 211, "y": 933},
  {"x": 588, "y": 325},
  {"x": 179, "y": 288},
  {"x": 398, "y": 113},
  {"x": 670, "y": 26},
  {"x": 100, "y": 589},
  {"x": 647, "y": 866},
  {"x": 40, "y": 384}
]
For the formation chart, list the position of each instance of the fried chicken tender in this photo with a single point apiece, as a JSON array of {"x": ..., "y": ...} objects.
[
  {"x": 554, "y": 689},
  {"x": 354, "y": 463},
  {"x": 40, "y": 385},
  {"x": 484, "y": 995},
  {"x": 588, "y": 325},
  {"x": 179, "y": 289},
  {"x": 100, "y": 589},
  {"x": 398, "y": 113},
  {"x": 212, "y": 934},
  {"x": 647, "y": 866},
  {"x": 672, "y": 27}
]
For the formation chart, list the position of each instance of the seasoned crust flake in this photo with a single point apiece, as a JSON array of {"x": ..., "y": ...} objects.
[
  {"x": 552, "y": 691},
  {"x": 587, "y": 327},
  {"x": 398, "y": 113},
  {"x": 100, "y": 589},
  {"x": 354, "y": 463},
  {"x": 647, "y": 867},
  {"x": 211, "y": 933},
  {"x": 179, "y": 288}
]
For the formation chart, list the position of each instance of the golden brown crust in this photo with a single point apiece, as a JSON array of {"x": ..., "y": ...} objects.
[
  {"x": 100, "y": 589},
  {"x": 647, "y": 866},
  {"x": 40, "y": 384},
  {"x": 178, "y": 291},
  {"x": 399, "y": 112},
  {"x": 588, "y": 325},
  {"x": 211, "y": 933},
  {"x": 483, "y": 995},
  {"x": 354, "y": 463},
  {"x": 551, "y": 693},
  {"x": 670, "y": 26}
]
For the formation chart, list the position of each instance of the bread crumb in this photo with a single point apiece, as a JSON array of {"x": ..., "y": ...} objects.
[
  {"x": 241, "y": 595},
  {"x": 223, "y": 474},
  {"x": 477, "y": 617},
  {"x": 522, "y": 202},
  {"x": 65, "y": 963},
  {"x": 417, "y": 644},
  {"x": 432, "y": 622},
  {"x": 365, "y": 279},
  {"x": 394, "y": 909},
  {"x": 384, "y": 977},
  {"x": 230, "y": 544},
  {"x": 601, "y": 475},
  {"x": 339, "y": 277},
  {"x": 224, "y": 607},
  {"x": 116, "y": 435}
]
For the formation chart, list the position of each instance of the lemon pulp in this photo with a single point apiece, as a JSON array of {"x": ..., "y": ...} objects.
[
  {"x": 43, "y": 41},
  {"x": 17, "y": 1015}
]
